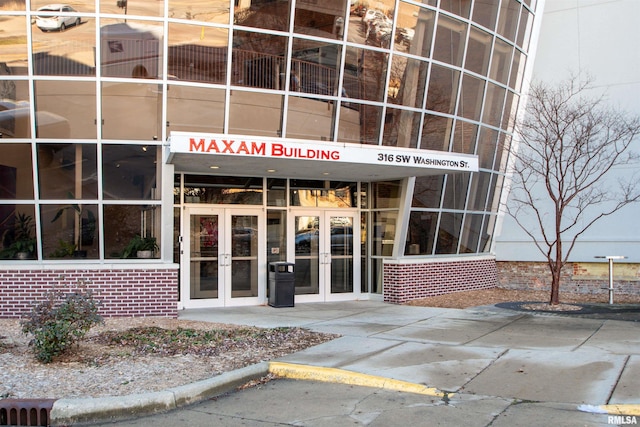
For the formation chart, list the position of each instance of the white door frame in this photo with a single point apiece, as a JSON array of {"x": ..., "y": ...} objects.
[
  {"x": 325, "y": 256},
  {"x": 224, "y": 257}
]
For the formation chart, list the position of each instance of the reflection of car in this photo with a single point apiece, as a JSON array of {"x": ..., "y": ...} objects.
[
  {"x": 341, "y": 240},
  {"x": 50, "y": 21}
]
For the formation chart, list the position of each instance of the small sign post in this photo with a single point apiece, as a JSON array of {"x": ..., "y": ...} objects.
[{"x": 611, "y": 258}]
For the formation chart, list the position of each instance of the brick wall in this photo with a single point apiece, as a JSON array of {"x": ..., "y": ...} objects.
[
  {"x": 406, "y": 280},
  {"x": 574, "y": 279},
  {"x": 122, "y": 292}
]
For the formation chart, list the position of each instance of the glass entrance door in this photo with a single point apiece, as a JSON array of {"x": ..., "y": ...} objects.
[
  {"x": 222, "y": 258},
  {"x": 325, "y": 255}
]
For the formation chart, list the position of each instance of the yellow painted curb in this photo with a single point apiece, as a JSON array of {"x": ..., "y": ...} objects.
[
  {"x": 622, "y": 409},
  {"x": 318, "y": 373}
]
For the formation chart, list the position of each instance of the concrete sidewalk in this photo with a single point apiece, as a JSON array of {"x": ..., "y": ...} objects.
[{"x": 586, "y": 365}]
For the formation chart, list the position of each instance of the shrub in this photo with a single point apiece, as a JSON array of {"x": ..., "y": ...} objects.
[{"x": 60, "y": 320}]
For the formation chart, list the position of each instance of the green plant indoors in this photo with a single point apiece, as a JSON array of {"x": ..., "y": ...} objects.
[
  {"x": 23, "y": 238},
  {"x": 139, "y": 243}
]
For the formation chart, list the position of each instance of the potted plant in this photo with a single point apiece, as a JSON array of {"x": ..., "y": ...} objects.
[
  {"x": 24, "y": 242},
  {"x": 141, "y": 247}
]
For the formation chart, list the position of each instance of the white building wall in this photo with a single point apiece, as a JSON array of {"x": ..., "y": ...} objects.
[{"x": 598, "y": 38}]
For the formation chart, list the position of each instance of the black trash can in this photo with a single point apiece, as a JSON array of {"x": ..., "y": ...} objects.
[{"x": 281, "y": 284}]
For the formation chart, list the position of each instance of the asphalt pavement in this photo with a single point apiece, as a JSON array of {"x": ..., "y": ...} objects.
[{"x": 404, "y": 365}]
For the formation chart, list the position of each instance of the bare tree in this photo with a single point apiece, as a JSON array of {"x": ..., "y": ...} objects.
[{"x": 569, "y": 143}]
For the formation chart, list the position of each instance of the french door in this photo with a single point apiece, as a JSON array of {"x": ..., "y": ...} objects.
[
  {"x": 326, "y": 261},
  {"x": 222, "y": 258}
]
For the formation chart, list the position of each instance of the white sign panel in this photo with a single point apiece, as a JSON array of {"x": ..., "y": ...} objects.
[{"x": 230, "y": 145}]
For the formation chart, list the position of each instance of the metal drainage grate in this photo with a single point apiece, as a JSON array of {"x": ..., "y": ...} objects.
[{"x": 25, "y": 412}]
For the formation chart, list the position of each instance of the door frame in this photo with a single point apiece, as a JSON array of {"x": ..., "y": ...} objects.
[
  {"x": 224, "y": 298},
  {"x": 325, "y": 255}
]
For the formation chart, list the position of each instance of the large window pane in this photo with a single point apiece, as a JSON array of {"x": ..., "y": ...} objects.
[
  {"x": 258, "y": 60},
  {"x": 501, "y": 61},
  {"x": 495, "y": 190},
  {"x": 143, "y": 8},
  {"x": 16, "y": 171},
  {"x": 508, "y": 21},
  {"x": 485, "y": 13},
  {"x": 131, "y": 172},
  {"x": 464, "y": 137},
  {"x": 502, "y": 152},
  {"x": 198, "y": 53},
  {"x": 407, "y": 82},
  {"x": 14, "y": 108},
  {"x": 14, "y": 5},
  {"x": 524, "y": 29},
  {"x": 368, "y": 119},
  {"x": 131, "y": 228},
  {"x": 13, "y": 44},
  {"x": 321, "y": 19},
  {"x": 222, "y": 190},
  {"x": 471, "y": 233},
  {"x": 131, "y": 111},
  {"x": 365, "y": 73},
  {"x": 414, "y": 30},
  {"x": 436, "y": 133},
  {"x": 384, "y": 232},
  {"x": 459, "y": 7},
  {"x": 401, "y": 128},
  {"x": 443, "y": 89},
  {"x": 386, "y": 194},
  {"x": 492, "y": 114},
  {"x": 450, "y": 37},
  {"x": 421, "y": 233},
  {"x": 455, "y": 192},
  {"x": 510, "y": 110},
  {"x": 63, "y": 43},
  {"x": 328, "y": 194},
  {"x": 472, "y": 90},
  {"x": 195, "y": 109},
  {"x": 65, "y": 109},
  {"x": 479, "y": 51},
  {"x": 131, "y": 49},
  {"x": 315, "y": 68},
  {"x": 480, "y": 183},
  {"x": 309, "y": 118},
  {"x": 517, "y": 70},
  {"x": 18, "y": 232},
  {"x": 427, "y": 191},
  {"x": 70, "y": 231},
  {"x": 487, "y": 233},
  {"x": 255, "y": 113},
  {"x": 487, "y": 147},
  {"x": 449, "y": 233},
  {"x": 201, "y": 10},
  {"x": 271, "y": 15},
  {"x": 67, "y": 171}
]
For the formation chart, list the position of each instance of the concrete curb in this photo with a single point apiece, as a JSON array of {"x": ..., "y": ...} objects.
[
  {"x": 78, "y": 411},
  {"x": 90, "y": 410},
  {"x": 623, "y": 409},
  {"x": 341, "y": 376}
]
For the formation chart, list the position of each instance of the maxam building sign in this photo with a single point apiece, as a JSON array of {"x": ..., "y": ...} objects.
[{"x": 318, "y": 151}]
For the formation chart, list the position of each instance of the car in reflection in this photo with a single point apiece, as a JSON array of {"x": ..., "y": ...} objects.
[{"x": 48, "y": 20}]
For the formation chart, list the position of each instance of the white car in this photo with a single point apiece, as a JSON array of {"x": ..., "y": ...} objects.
[{"x": 49, "y": 20}]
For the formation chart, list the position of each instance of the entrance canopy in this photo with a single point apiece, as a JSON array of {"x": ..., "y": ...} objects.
[{"x": 250, "y": 155}]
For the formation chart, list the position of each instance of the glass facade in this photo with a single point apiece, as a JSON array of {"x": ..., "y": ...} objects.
[{"x": 89, "y": 94}]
